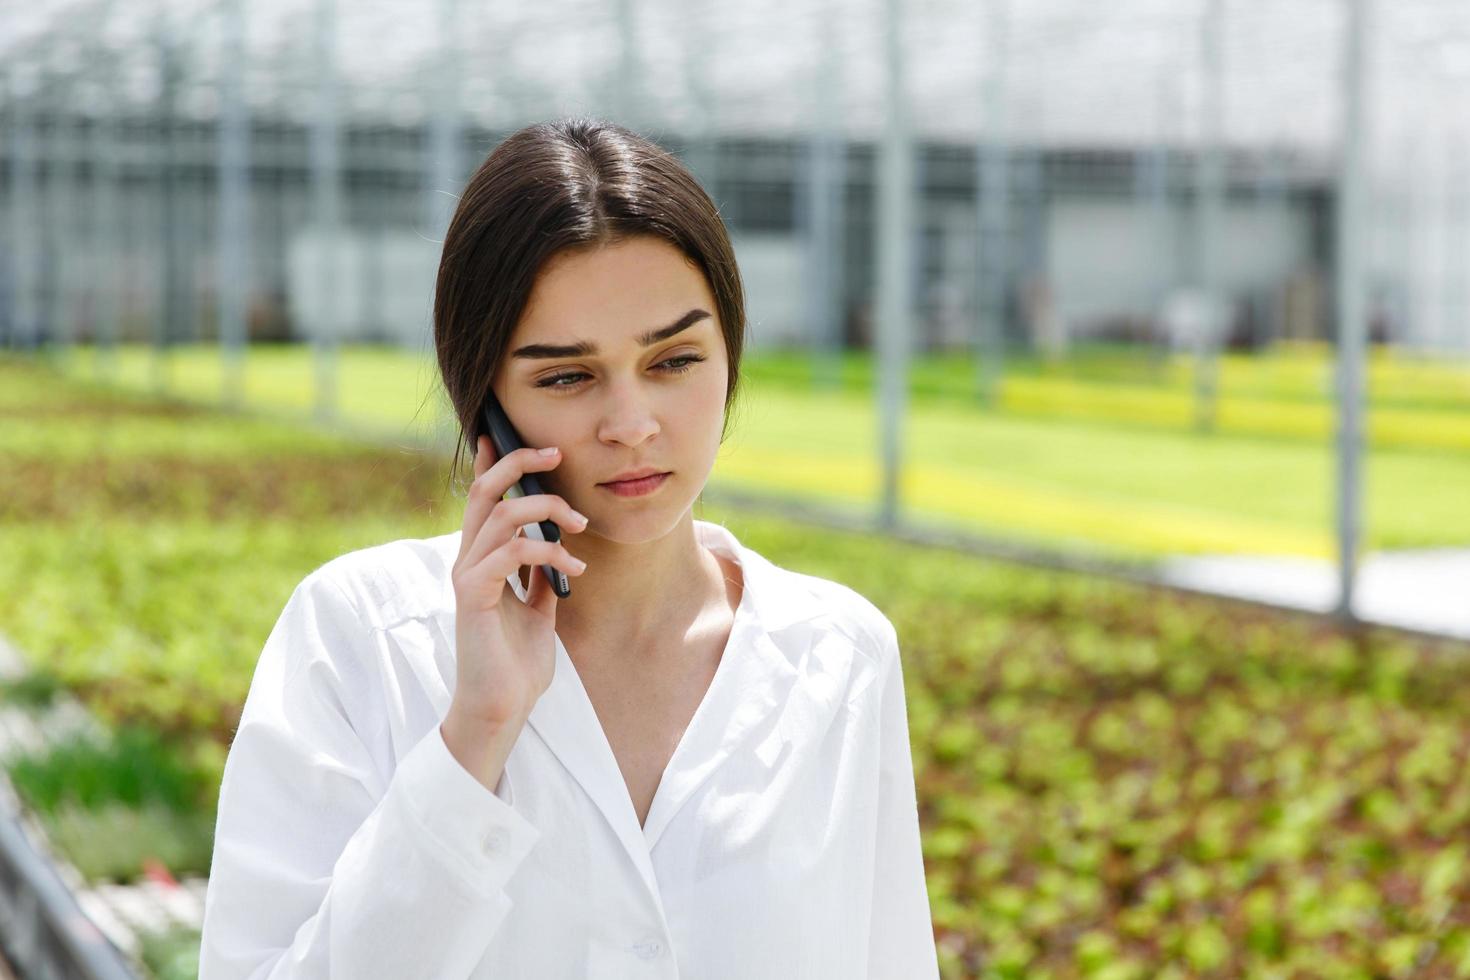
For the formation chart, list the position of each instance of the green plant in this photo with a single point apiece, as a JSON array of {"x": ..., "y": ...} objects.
[
  {"x": 111, "y": 804},
  {"x": 35, "y": 689},
  {"x": 172, "y": 954}
]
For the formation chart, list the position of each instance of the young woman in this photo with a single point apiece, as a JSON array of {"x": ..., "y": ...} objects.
[{"x": 695, "y": 765}]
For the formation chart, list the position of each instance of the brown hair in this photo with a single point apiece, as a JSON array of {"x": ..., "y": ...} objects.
[{"x": 571, "y": 183}]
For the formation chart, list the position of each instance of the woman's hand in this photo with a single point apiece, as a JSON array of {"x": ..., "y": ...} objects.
[{"x": 506, "y": 648}]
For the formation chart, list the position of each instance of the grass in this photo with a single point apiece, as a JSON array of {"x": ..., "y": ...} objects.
[
  {"x": 1117, "y": 782},
  {"x": 172, "y": 954},
  {"x": 1095, "y": 453},
  {"x": 113, "y": 804},
  {"x": 1112, "y": 781}
]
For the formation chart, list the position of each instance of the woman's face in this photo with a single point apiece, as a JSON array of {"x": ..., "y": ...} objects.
[{"x": 578, "y": 374}]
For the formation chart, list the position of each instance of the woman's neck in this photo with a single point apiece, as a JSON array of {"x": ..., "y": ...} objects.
[{"x": 640, "y": 599}]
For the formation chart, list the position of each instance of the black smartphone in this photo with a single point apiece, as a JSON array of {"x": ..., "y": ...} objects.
[{"x": 505, "y": 439}]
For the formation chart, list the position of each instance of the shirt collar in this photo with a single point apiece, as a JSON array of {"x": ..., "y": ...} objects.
[
  {"x": 767, "y": 643},
  {"x": 776, "y": 595}
]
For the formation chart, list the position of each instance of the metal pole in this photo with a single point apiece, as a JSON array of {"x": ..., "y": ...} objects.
[
  {"x": 1427, "y": 186},
  {"x": 108, "y": 278},
  {"x": 826, "y": 175},
  {"x": 1208, "y": 202},
  {"x": 895, "y": 265},
  {"x": 48, "y": 934},
  {"x": 1151, "y": 186},
  {"x": 1456, "y": 217},
  {"x": 61, "y": 217},
  {"x": 1166, "y": 201},
  {"x": 1437, "y": 184},
  {"x": 1351, "y": 325},
  {"x": 166, "y": 322},
  {"x": 326, "y": 201},
  {"x": 1271, "y": 193},
  {"x": 24, "y": 220},
  {"x": 702, "y": 153},
  {"x": 445, "y": 168},
  {"x": 1399, "y": 209},
  {"x": 815, "y": 215},
  {"x": 1416, "y": 255},
  {"x": 234, "y": 203},
  {"x": 993, "y": 191},
  {"x": 626, "y": 87},
  {"x": 1151, "y": 215}
]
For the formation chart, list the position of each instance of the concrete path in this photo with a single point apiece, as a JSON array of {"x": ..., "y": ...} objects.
[{"x": 1425, "y": 590}]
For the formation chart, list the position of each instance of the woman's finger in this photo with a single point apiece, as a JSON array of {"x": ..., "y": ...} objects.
[
  {"x": 508, "y": 559},
  {"x": 491, "y": 485},
  {"x": 512, "y": 515}
]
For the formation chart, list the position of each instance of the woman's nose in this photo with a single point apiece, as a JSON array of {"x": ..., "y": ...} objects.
[{"x": 629, "y": 418}]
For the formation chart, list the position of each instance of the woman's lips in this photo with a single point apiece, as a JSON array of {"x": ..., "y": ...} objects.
[{"x": 636, "y": 488}]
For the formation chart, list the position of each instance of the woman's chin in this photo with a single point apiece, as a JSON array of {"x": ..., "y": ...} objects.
[{"x": 639, "y": 524}]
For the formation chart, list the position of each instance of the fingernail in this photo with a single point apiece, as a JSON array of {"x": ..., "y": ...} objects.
[
  {"x": 581, "y": 518},
  {"x": 549, "y": 451},
  {"x": 578, "y": 564}
]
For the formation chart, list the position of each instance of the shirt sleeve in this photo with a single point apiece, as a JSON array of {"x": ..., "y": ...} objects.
[
  {"x": 901, "y": 931},
  {"x": 321, "y": 867}
]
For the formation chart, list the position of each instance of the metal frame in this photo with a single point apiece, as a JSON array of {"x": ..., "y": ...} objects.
[{"x": 45, "y": 933}]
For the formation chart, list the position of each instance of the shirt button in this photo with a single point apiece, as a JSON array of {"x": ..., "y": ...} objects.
[
  {"x": 496, "y": 840},
  {"x": 648, "y": 948}
]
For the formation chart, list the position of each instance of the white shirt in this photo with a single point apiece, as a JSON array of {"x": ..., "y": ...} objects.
[{"x": 782, "y": 842}]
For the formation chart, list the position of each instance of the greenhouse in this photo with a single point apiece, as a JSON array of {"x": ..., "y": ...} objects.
[{"x": 1116, "y": 356}]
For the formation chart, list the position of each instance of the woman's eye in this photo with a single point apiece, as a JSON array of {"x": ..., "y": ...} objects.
[{"x": 674, "y": 365}]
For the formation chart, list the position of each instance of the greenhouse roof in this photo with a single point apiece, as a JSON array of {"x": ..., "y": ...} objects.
[{"x": 1074, "y": 71}]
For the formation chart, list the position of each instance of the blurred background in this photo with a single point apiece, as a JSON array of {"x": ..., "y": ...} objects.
[{"x": 1071, "y": 327}]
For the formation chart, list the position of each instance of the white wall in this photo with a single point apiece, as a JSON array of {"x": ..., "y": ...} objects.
[
  {"x": 773, "y": 269},
  {"x": 382, "y": 284},
  {"x": 1108, "y": 257},
  {"x": 378, "y": 284}
]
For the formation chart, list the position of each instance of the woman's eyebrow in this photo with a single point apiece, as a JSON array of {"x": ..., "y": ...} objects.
[{"x": 586, "y": 348}]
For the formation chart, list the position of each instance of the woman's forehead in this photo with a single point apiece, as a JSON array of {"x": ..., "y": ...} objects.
[{"x": 613, "y": 294}]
